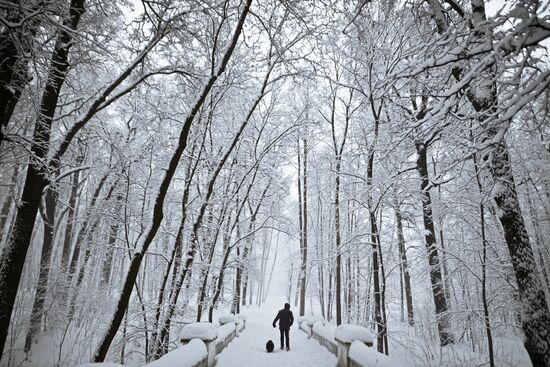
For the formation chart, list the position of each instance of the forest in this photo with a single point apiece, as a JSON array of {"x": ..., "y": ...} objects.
[{"x": 384, "y": 163}]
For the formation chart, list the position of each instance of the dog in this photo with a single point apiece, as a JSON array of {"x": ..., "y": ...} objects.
[{"x": 269, "y": 346}]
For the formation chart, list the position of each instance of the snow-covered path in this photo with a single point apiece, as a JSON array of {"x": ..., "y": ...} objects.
[{"x": 249, "y": 348}]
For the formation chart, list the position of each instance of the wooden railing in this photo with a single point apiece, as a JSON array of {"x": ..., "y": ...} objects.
[
  {"x": 200, "y": 344},
  {"x": 351, "y": 344},
  {"x": 212, "y": 344}
]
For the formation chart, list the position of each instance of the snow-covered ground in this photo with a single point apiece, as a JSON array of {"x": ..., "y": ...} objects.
[{"x": 249, "y": 348}]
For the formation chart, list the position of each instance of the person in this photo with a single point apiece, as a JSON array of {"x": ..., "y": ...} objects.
[{"x": 286, "y": 319}]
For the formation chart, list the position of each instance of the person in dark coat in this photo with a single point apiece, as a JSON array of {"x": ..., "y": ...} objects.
[{"x": 286, "y": 319}]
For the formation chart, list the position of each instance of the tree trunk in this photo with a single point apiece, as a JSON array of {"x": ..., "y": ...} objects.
[
  {"x": 380, "y": 326},
  {"x": 383, "y": 293},
  {"x": 241, "y": 264},
  {"x": 535, "y": 312},
  {"x": 338, "y": 270},
  {"x": 539, "y": 241},
  {"x": 68, "y": 238},
  {"x": 227, "y": 252},
  {"x": 15, "y": 48},
  {"x": 123, "y": 348},
  {"x": 246, "y": 263},
  {"x": 235, "y": 309},
  {"x": 358, "y": 300},
  {"x": 6, "y": 205},
  {"x": 4, "y": 213},
  {"x": 440, "y": 302},
  {"x": 330, "y": 296},
  {"x": 175, "y": 259},
  {"x": 289, "y": 281},
  {"x": 251, "y": 293},
  {"x": 272, "y": 267},
  {"x": 91, "y": 215},
  {"x": 536, "y": 315},
  {"x": 377, "y": 263},
  {"x": 176, "y": 256},
  {"x": 319, "y": 253},
  {"x": 444, "y": 268},
  {"x": 302, "y": 197},
  {"x": 87, "y": 241},
  {"x": 304, "y": 242},
  {"x": 15, "y": 252},
  {"x": 219, "y": 283},
  {"x": 486, "y": 318},
  {"x": 368, "y": 312},
  {"x": 401, "y": 294},
  {"x": 484, "y": 288},
  {"x": 50, "y": 203},
  {"x": 111, "y": 242},
  {"x": 202, "y": 293},
  {"x": 297, "y": 289},
  {"x": 261, "y": 284},
  {"x": 405, "y": 265}
]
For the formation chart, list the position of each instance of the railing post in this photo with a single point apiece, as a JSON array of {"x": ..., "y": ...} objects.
[
  {"x": 237, "y": 331},
  {"x": 205, "y": 331},
  {"x": 211, "y": 350},
  {"x": 343, "y": 353},
  {"x": 309, "y": 322},
  {"x": 346, "y": 334},
  {"x": 230, "y": 319},
  {"x": 243, "y": 318}
]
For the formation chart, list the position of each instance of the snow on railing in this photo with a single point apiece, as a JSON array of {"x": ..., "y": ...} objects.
[
  {"x": 230, "y": 326},
  {"x": 351, "y": 344},
  {"x": 202, "y": 331},
  {"x": 192, "y": 354},
  {"x": 201, "y": 342},
  {"x": 360, "y": 355}
]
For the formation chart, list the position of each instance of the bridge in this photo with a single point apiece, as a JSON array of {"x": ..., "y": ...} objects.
[{"x": 239, "y": 341}]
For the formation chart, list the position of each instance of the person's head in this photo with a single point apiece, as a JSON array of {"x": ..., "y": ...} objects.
[{"x": 287, "y": 306}]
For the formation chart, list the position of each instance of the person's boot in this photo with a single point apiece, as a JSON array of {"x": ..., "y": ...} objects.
[{"x": 287, "y": 349}]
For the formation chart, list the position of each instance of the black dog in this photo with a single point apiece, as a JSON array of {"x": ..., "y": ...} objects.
[{"x": 269, "y": 346}]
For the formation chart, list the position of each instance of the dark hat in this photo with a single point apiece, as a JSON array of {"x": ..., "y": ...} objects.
[{"x": 287, "y": 306}]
